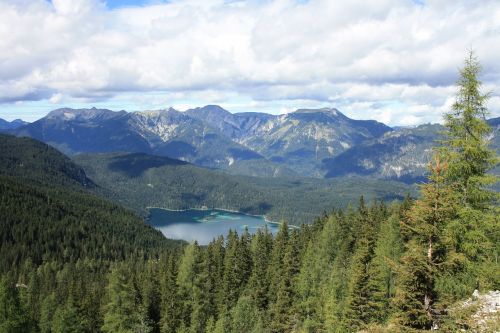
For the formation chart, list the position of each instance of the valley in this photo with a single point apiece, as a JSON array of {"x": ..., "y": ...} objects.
[{"x": 138, "y": 181}]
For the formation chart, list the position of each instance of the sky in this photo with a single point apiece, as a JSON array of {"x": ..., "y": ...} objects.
[{"x": 395, "y": 61}]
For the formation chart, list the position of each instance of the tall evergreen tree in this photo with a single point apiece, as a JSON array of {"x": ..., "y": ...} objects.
[
  {"x": 276, "y": 262},
  {"x": 48, "y": 308},
  {"x": 215, "y": 269},
  {"x": 120, "y": 311},
  {"x": 258, "y": 285},
  {"x": 169, "y": 296},
  {"x": 426, "y": 251},
  {"x": 283, "y": 310},
  {"x": 466, "y": 146},
  {"x": 382, "y": 272},
  {"x": 186, "y": 282},
  {"x": 359, "y": 301},
  {"x": 472, "y": 234}
]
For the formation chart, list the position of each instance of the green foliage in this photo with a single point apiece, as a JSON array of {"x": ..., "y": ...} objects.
[
  {"x": 448, "y": 249},
  {"x": 66, "y": 319},
  {"x": 120, "y": 311},
  {"x": 13, "y": 318},
  {"x": 139, "y": 181}
]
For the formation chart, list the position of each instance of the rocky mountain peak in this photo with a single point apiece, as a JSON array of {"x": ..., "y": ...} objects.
[{"x": 69, "y": 114}]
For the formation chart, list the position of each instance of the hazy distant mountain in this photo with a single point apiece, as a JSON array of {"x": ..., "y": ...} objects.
[
  {"x": 402, "y": 154},
  {"x": 9, "y": 125},
  {"x": 307, "y": 142},
  {"x": 164, "y": 132}
]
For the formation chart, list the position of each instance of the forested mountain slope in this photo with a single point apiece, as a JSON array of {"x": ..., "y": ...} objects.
[
  {"x": 48, "y": 213},
  {"x": 139, "y": 181}
]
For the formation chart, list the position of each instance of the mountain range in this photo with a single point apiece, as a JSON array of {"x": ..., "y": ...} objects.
[
  {"x": 321, "y": 143},
  {"x": 8, "y": 125}
]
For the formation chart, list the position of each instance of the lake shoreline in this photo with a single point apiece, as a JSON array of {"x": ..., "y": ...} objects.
[{"x": 221, "y": 209}]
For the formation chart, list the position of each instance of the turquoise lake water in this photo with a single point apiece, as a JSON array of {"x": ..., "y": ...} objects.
[{"x": 204, "y": 225}]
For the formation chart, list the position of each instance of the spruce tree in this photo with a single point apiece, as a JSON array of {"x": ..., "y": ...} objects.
[
  {"x": 388, "y": 250},
  {"x": 169, "y": 296},
  {"x": 245, "y": 316},
  {"x": 359, "y": 301},
  {"x": 201, "y": 297},
  {"x": 283, "y": 310},
  {"x": 426, "y": 252},
  {"x": 276, "y": 262},
  {"x": 48, "y": 308},
  {"x": 186, "y": 282},
  {"x": 258, "y": 285}
]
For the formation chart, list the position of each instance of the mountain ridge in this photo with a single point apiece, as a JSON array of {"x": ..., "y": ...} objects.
[{"x": 306, "y": 142}]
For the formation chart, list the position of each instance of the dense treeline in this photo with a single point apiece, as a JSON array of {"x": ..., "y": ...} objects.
[
  {"x": 138, "y": 181},
  {"x": 302, "y": 279},
  {"x": 375, "y": 268},
  {"x": 343, "y": 273}
]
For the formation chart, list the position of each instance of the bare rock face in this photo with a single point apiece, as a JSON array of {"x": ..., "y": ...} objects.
[
  {"x": 485, "y": 309},
  {"x": 488, "y": 314}
]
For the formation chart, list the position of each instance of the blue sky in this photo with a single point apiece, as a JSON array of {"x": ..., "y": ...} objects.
[{"x": 395, "y": 61}]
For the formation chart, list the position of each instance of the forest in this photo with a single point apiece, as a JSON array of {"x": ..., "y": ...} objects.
[
  {"x": 72, "y": 262},
  {"x": 138, "y": 181}
]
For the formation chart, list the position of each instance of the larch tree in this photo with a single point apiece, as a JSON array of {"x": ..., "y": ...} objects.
[{"x": 471, "y": 235}]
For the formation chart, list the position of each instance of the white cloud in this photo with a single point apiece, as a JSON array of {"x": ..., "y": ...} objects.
[{"x": 390, "y": 59}]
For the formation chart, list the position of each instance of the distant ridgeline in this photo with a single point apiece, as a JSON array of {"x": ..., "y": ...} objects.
[{"x": 308, "y": 142}]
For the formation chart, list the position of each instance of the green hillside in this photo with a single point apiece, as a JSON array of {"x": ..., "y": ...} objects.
[
  {"x": 48, "y": 214},
  {"x": 139, "y": 181}
]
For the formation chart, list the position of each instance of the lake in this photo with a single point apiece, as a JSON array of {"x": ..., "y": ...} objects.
[{"x": 204, "y": 225}]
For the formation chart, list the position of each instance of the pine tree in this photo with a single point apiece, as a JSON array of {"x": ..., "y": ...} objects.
[
  {"x": 150, "y": 295},
  {"x": 336, "y": 285},
  {"x": 359, "y": 301},
  {"x": 276, "y": 262},
  {"x": 48, "y": 308},
  {"x": 315, "y": 271},
  {"x": 237, "y": 268},
  {"x": 215, "y": 268},
  {"x": 388, "y": 251},
  {"x": 201, "y": 298}
]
